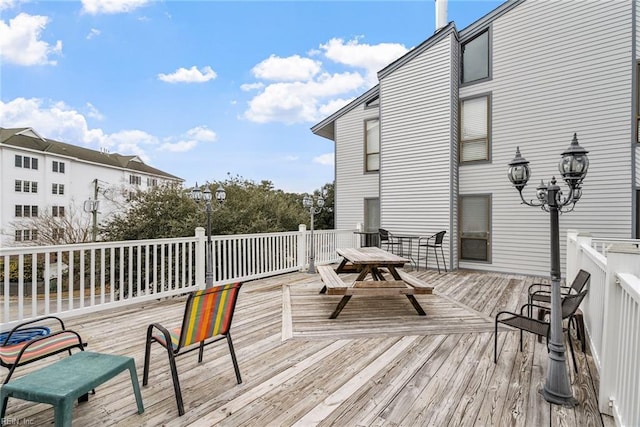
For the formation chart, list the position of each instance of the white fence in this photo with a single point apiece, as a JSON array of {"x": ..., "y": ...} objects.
[
  {"x": 75, "y": 279},
  {"x": 612, "y": 318}
]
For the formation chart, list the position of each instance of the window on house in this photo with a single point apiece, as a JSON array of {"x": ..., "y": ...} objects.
[
  {"x": 18, "y": 211},
  {"x": 34, "y": 211},
  {"x": 57, "y": 166},
  {"x": 26, "y": 211},
  {"x": 26, "y": 185},
  {"x": 135, "y": 179},
  {"x": 26, "y": 162},
  {"x": 475, "y": 58},
  {"x": 18, "y": 236},
  {"x": 371, "y": 214},
  {"x": 474, "y": 129},
  {"x": 58, "y": 233},
  {"x": 34, "y": 234},
  {"x": 18, "y": 186},
  {"x": 57, "y": 189},
  {"x": 18, "y": 161},
  {"x": 57, "y": 211},
  {"x": 375, "y": 102},
  {"x": 475, "y": 226},
  {"x": 152, "y": 182},
  {"x": 34, "y": 187},
  {"x": 34, "y": 163},
  {"x": 372, "y": 145},
  {"x": 26, "y": 235}
]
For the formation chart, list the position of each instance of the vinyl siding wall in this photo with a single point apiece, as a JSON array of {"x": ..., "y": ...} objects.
[
  {"x": 353, "y": 185},
  {"x": 558, "y": 68},
  {"x": 416, "y": 120}
]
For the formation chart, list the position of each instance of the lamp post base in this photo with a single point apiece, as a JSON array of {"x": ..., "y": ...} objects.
[
  {"x": 312, "y": 267},
  {"x": 551, "y": 397}
]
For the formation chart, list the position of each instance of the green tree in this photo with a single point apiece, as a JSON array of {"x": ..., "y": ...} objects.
[
  {"x": 325, "y": 219},
  {"x": 161, "y": 212}
]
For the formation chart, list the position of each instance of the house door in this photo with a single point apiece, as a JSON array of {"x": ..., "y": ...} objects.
[{"x": 372, "y": 218}]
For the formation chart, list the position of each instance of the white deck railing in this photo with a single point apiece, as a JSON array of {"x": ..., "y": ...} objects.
[
  {"x": 612, "y": 318},
  {"x": 75, "y": 279}
]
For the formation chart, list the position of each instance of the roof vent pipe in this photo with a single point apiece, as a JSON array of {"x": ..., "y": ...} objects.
[{"x": 441, "y": 14}]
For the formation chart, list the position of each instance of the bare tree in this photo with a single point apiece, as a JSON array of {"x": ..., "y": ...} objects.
[{"x": 56, "y": 225}]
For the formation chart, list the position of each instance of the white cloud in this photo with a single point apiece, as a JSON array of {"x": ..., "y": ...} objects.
[
  {"x": 56, "y": 120},
  {"x": 292, "y": 68},
  {"x": 371, "y": 58},
  {"x": 251, "y": 86},
  {"x": 95, "y": 7},
  {"x": 93, "y": 33},
  {"x": 20, "y": 41},
  {"x": 93, "y": 112},
  {"x": 6, "y": 4},
  {"x": 192, "y": 75},
  {"x": 202, "y": 133},
  {"x": 291, "y": 158},
  {"x": 325, "y": 159},
  {"x": 298, "y": 102},
  {"x": 179, "y": 147},
  {"x": 304, "y": 90}
]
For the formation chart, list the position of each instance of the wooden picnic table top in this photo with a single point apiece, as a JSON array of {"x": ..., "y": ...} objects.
[{"x": 371, "y": 255}]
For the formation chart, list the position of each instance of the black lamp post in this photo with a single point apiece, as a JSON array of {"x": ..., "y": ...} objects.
[
  {"x": 307, "y": 202},
  {"x": 573, "y": 166},
  {"x": 197, "y": 195}
]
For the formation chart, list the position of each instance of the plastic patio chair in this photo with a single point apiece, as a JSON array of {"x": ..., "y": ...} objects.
[
  {"x": 33, "y": 340},
  {"x": 570, "y": 304},
  {"x": 207, "y": 319},
  {"x": 435, "y": 242}
]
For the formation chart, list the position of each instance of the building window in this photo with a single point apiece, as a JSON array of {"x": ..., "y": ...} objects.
[
  {"x": 34, "y": 187},
  {"x": 26, "y": 185},
  {"x": 18, "y": 236},
  {"x": 18, "y": 186},
  {"x": 58, "y": 233},
  {"x": 135, "y": 179},
  {"x": 57, "y": 211},
  {"x": 152, "y": 182},
  {"x": 475, "y": 58},
  {"x": 375, "y": 102},
  {"x": 57, "y": 167},
  {"x": 57, "y": 189},
  {"x": 26, "y": 211},
  {"x": 372, "y": 145},
  {"x": 475, "y": 226},
  {"x": 26, "y": 162},
  {"x": 475, "y": 131},
  {"x": 18, "y": 212}
]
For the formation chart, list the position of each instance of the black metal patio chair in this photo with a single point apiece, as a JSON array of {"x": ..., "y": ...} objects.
[
  {"x": 435, "y": 242},
  {"x": 523, "y": 322},
  {"x": 387, "y": 239}
]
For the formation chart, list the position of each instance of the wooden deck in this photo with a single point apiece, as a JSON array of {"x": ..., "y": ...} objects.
[{"x": 378, "y": 364}]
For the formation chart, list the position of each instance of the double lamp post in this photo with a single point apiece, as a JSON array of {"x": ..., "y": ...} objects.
[
  {"x": 198, "y": 195},
  {"x": 307, "y": 203},
  {"x": 573, "y": 167}
]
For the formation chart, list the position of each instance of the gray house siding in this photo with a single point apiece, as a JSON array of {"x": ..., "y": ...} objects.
[
  {"x": 353, "y": 185},
  {"x": 416, "y": 110},
  {"x": 557, "y": 68}
]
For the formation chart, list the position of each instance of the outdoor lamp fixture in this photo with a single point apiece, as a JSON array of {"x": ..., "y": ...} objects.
[
  {"x": 307, "y": 202},
  {"x": 573, "y": 167},
  {"x": 197, "y": 195}
]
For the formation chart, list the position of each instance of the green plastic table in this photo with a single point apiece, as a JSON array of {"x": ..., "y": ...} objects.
[{"x": 71, "y": 378}]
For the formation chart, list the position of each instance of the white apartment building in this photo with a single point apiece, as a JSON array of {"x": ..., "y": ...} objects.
[
  {"x": 43, "y": 178},
  {"x": 427, "y": 149}
]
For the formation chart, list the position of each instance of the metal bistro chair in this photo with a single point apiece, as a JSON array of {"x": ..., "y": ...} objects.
[
  {"x": 207, "y": 319},
  {"x": 387, "y": 239},
  {"x": 435, "y": 242},
  {"x": 570, "y": 304}
]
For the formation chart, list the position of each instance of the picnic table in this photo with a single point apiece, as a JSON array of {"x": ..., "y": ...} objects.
[{"x": 373, "y": 266}]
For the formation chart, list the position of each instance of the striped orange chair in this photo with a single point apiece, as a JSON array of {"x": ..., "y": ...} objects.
[
  {"x": 207, "y": 319},
  {"x": 33, "y": 340}
]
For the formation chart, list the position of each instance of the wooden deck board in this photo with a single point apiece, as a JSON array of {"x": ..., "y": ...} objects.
[{"x": 377, "y": 364}]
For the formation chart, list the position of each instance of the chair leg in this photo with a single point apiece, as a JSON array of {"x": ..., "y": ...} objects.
[
  {"x": 495, "y": 342},
  {"x": 233, "y": 358},
  {"x": 147, "y": 357},
  {"x": 444, "y": 261},
  {"x": 200, "y": 352},
  {"x": 176, "y": 381},
  {"x": 435, "y": 252},
  {"x": 573, "y": 356}
]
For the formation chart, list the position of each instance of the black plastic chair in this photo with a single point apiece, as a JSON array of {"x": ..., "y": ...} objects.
[
  {"x": 434, "y": 242},
  {"x": 387, "y": 239},
  {"x": 570, "y": 304}
]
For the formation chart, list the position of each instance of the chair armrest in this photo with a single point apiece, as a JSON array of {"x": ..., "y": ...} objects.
[
  {"x": 532, "y": 306},
  {"x": 31, "y": 323},
  {"x": 165, "y": 332}
]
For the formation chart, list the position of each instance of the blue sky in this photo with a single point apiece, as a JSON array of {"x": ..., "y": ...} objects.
[{"x": 201, "y": 89}]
